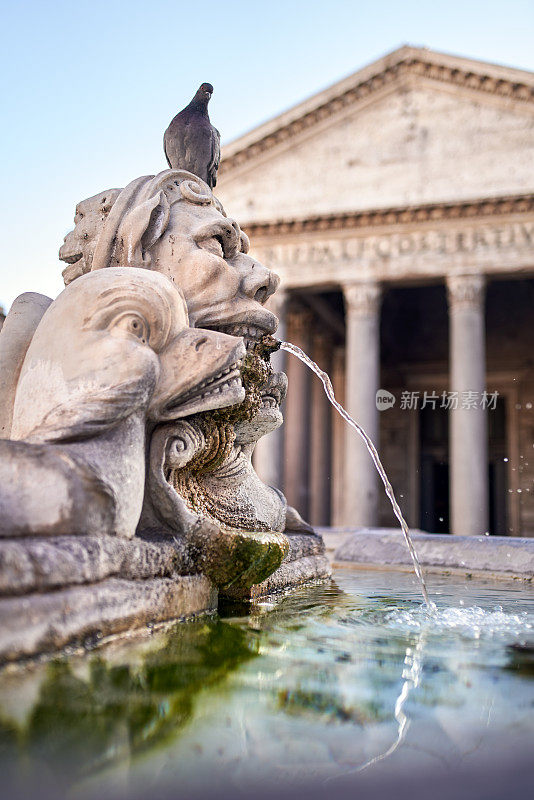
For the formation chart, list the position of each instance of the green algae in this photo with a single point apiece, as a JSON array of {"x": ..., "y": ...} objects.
[{"x": 79, "y": 724}]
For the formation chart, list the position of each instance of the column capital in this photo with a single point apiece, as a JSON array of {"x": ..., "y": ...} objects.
[
  {"x": 465, "y": 292},
  {"x": 362, "y": 297}
]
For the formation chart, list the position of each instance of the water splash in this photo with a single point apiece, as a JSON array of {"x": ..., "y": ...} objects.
[
  {"x": 300, "y": 354},
  {"x": 471, "y": 622}
]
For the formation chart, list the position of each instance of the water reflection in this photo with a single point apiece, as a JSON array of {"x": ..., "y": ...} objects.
[
  {"x": 413, "y": 664},
  {"x": 325, "y": 682},
  {"x": 521, "y": 658},
  {"x": 78, "y": 724}
]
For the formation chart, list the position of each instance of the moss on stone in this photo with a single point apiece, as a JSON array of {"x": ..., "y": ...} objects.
[{"x": 241, "y": 559}]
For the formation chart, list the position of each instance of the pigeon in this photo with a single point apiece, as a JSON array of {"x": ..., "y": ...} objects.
[{"x": 191, "y": 142}]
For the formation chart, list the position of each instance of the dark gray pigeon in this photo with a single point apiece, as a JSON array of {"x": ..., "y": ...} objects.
[{"x": 191, "y": 142}]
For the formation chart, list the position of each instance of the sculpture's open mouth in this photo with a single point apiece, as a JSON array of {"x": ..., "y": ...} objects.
[
  {"x": 222, "y": 390},
  {"x": 256, "y": 334},
  {"x": 269, "y": 401},
  {"x": 69, "y": 258},
  {"x": 251, "y": 334}
]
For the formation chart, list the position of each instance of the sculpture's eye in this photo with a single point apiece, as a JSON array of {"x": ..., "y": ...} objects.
[
  {"x": 135, "y": 325},
  {"x": 214, "y": 244}
]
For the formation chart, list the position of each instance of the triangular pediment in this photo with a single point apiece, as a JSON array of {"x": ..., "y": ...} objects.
[{"x": 416, "y": 127}]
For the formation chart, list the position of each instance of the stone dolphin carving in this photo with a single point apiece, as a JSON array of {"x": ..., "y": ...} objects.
[
  {"x": 173, "y": 224},
  {"x": 112, "y": 355}
]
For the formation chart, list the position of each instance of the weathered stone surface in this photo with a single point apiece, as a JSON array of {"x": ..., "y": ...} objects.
[
  {"x": 492, "y": 554},
  {"x": 74, "y": 587},
  {"x": 38, "y": 623},
  {"x": 44, "y": 564},
  {"x": 302, "y": 545},
  {"x": 24, "y": 316},
  {"x": 236, "y": 560},
  {"x": 47, "y": 491},
  {"x": 102, "y": 382},
  {"x": 305, "y": 561},
  {"x": 291, "y": 574},
  {"x": 39, "y": 565},
  {"x": 468, "y": 438},
  {"x": 360, "y": 477},
  {"x": 173, "y": 224},
  {"x": 389, "y": 144},
  {"x": 199, "y": 476},
  {"x": 111, "y": 354}
]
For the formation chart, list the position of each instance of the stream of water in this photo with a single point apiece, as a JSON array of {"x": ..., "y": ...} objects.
[{"x": 327, "y": 383}]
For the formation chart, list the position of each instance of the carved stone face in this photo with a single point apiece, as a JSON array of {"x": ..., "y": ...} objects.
[
  {"x": 115, "y": 342},
  {"x": 172, "y": 224},
  {"x": 203, "y": 253}
]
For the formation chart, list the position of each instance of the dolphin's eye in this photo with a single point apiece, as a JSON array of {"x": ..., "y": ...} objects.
[{"x": 134, "y": 324}]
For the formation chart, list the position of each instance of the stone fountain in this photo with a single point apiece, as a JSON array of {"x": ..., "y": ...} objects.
[{"x": 130, "y": 407}]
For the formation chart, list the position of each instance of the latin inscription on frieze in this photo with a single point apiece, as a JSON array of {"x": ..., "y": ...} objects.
[{"x": 393, "y": 247}]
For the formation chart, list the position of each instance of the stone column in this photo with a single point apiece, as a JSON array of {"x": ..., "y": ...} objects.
[
  {"x": 297, "y": 417},
  {"x": 269, "y": 451},
  {"x": 468, "y": 425},
  {"x": 320, "y": 435},
  {"x": 362, "y": 372},
  {"x": 339, "y": 432}
]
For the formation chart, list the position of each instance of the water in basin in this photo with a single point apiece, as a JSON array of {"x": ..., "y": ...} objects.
[{"x": 332, "y": 681}]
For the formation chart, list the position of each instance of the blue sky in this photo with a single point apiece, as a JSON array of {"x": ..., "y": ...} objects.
[{"x": 89, "y": 87}]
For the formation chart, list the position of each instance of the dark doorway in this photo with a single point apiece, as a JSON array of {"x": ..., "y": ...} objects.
[
  {"x": 498, "y": 468},
  {"x": 434, "y": 485}
]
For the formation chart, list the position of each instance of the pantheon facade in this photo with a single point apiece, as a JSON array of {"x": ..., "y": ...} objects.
[{"x": 398, "y": 208}]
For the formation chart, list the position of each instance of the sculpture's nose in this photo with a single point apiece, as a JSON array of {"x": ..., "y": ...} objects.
[{"x": 259, "y": 282}]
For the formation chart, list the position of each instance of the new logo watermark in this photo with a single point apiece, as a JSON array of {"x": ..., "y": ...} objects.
[
  {"x": 410, "y": 401},
  {"x": 384, "y": 400}
]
